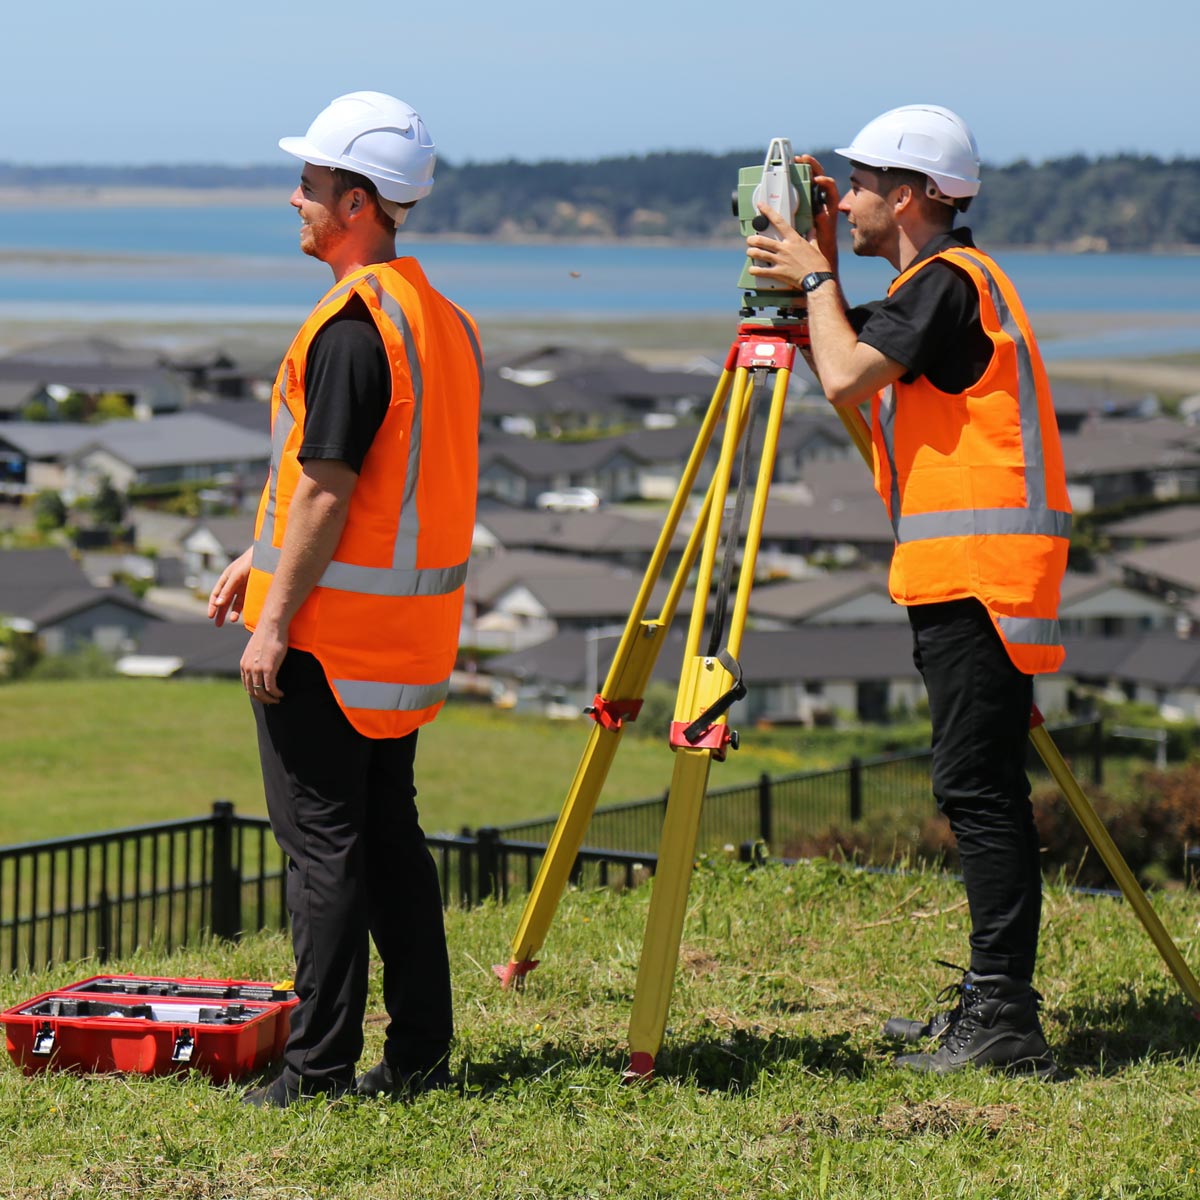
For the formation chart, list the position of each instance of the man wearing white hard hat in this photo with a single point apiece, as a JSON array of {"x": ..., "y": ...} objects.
[
  {"x": 353, "y": 591},
  {"x": 969, "y": 465}
]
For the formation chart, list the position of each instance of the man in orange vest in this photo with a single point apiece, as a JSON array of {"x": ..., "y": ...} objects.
[
  {"x": 968, "y": 463},
  {"x": 354, "y": 591}
]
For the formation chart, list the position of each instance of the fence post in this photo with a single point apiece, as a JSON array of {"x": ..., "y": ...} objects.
[
  {"x": 468, "y": 850},
  {"x": 488, "y": 849},
  {"x": 1098, "y": 752},
  {"x": 764, "y": 809},
  {"x": 226, "y": 880},
  {"x": 103, "y": 926},
  {"x": 855, "y": 781}
]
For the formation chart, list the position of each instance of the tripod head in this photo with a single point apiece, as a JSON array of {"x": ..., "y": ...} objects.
[{"x": 786, "y": 186}]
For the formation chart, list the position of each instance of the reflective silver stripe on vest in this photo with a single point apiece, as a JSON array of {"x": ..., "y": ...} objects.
[
  {"x": 281, "y": 429},
  {"x": 968, "y": 522},
  {"x": 390, "y": 697},
  {"x": 1030, "y": 631},
  {"x": 1036, "y": 517},
  {"x": 474, "y": 343},
  {"x": 404, "y": 577},
  {"x": 374, "y": 581}
]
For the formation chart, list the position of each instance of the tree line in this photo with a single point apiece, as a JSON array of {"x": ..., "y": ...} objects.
[{"x": 1121, "y": 202}]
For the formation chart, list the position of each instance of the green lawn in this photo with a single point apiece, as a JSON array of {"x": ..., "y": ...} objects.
[
  {"x": 772, "y": 1082},
  {"x": 85, "y": 756}
]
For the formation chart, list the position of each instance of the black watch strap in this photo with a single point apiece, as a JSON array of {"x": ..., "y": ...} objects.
[{"x": 814, "y": 279}]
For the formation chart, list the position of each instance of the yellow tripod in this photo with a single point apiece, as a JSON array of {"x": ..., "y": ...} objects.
[{"x": 710, "y": 682}]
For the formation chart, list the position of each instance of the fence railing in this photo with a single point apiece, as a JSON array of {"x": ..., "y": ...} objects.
[
  {"x": 101, "y": 896},
  {"x": 782, "y": 809}
]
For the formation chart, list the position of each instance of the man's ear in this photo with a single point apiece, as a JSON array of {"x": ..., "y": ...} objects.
[{"x": 902, "y": 197}]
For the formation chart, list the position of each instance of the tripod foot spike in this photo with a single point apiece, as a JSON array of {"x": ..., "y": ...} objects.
[
  {"x": 640, "y": 1069},
  {"x": 513, "y": 972}
]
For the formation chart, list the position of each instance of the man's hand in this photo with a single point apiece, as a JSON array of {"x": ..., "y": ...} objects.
[
  {"x": 825, "y": 218},
  {"x": 228, "y": 597},
  {"x": 261, "y": 660},
  {"x": 787, "y": 260}
]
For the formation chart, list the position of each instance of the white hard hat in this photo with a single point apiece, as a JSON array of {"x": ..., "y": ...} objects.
[
  {"x": 925, "y": 138},
  {"x": 372, "y": 134}
]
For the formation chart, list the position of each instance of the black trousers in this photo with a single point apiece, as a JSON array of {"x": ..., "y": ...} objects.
[
  {"x": 342, "y": 808},
  {"x": 979, "y": 706}
]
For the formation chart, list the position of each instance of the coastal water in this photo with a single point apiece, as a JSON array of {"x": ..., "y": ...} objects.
[{"x": 241, "y": 264}]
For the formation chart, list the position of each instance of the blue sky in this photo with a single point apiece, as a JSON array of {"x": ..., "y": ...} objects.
[{"x": 132, "y": 81}]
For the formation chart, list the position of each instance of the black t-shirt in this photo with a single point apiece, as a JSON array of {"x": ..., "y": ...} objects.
[
  {"x": 347, "y": 388},
  {"x": 931, "y": 323}
]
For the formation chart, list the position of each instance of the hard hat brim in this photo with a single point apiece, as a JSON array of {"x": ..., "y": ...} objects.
[
  {"x": 389, "y": 188},
  {"x": 951, "y": 185}
]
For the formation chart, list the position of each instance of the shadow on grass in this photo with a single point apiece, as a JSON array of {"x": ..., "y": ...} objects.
[
  {"x": 722, "y": 1062},
  {"x": 1105, "y": 1035}
]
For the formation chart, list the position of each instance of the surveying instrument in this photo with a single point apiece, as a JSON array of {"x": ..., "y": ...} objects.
[{"x": 773, "y": 327}]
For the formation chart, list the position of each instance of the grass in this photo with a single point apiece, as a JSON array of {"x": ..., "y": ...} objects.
[
  {"x": 772, "y": 1081},
  {"x": 82, "y": 756}
]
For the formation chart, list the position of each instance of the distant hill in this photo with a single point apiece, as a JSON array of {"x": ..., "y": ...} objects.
[{"x": 1123, "y": 202}]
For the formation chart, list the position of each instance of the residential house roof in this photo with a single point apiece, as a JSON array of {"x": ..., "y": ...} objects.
[
  {"x": 1172, "y": 564},
  {"x": 43, "y": 440},
  {"x": 1160, "y": 525},
  {"x": 232, "y": 534},
  {"x": 1152, "y": 659},
  {"x": 806, "y": 653},
  {"x": 29, "y": 578},
  {"x": 820, "y": 596},
  {"x": 199, "y": 646},
  {"x": 175, "y": 439},
  {"x": 600, "y": 533},
  {"x": 245, "y": 414},
  {"x": 1102, "y": 446}
]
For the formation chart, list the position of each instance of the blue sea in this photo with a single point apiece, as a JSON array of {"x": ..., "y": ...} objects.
[{"x": 240, "y": 264}]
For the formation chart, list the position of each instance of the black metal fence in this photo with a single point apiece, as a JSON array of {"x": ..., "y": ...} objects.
[
  {"x": 781, "y": 810},
  {"x": 100, "y": 896}
]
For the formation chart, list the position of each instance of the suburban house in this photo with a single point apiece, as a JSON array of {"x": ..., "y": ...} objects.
[
  {"x": 1177, "y": 523},
  {"x": 1110, "y": 461},
  {"x": 210, "y": 545},
  {"x": 46, "y": 593},
  {"x": 33, "y": 454},
  {"x": 173, "y": 449}
]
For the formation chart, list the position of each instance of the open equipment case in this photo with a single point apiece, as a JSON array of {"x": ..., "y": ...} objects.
[{"x": 138, "y": 1024}]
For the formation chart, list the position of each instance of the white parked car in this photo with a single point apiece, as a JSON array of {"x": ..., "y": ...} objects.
[{"x": 569, "y": 499}]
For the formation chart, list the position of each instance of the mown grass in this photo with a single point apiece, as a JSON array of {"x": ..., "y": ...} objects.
[
  {"x": 87, "y": 755},
  {"x": 772, "y": 1082}
]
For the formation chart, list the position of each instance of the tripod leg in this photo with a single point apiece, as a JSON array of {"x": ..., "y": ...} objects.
[
  {"x": 624, "y": 687},
  {"x": 1086, "y": 815},
  {"x": 1113, "y": 860},
  {"x": 668, "y": 903},
  {"x": 703, "y": 683}
]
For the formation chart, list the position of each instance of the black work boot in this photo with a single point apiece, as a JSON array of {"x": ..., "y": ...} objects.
[
  {"x": 912, "y": 1029},
  {"x": 997, "y": 1027}
]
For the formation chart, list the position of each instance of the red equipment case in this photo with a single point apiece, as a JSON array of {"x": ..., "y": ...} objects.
[{"x": 144, "y": 1025}]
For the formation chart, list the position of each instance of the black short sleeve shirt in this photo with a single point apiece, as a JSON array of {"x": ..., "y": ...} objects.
[
  {"x": 931, "y": 323},
  {"x": 347, "y": 388}
]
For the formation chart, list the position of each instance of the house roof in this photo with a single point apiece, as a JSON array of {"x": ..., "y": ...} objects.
[
  {"x": 1103, "y": 447},
  {"x": 232, "y": 534},
  {"x": 47, "y": 586},
  {"x": 30, "y": 578},
  {"x": 253, "y": 415},
  {"x": 202, "y": 648},
  {"x": 1151, "y": 659},
  {"x": 1175, "y": 562},
  {"x": 599, "y": 533},
  {"x": 854, "y": 519},
  {"x": 176, "y": 439},
  {"x": 805, "y": 599},
  {"x": 807, "y": 653},
  {"x": 83, "y": 351},
  {"x": 45, "y": 439},
  {"x": 1162, "y": 524},
  {"x": 490, "y": 577}
]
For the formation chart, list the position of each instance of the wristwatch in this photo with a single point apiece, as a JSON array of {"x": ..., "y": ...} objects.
[{"x": 814, "y": 279}]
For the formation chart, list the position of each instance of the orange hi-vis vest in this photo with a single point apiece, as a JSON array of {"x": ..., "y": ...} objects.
[
  {"x": 384, "y": 619},
  {"x": 974, "y": 483}
]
